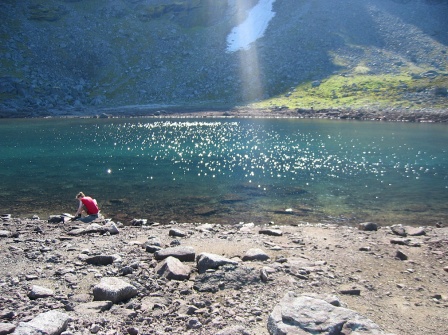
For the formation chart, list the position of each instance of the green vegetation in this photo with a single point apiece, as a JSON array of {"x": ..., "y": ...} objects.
[{"x": 360, "y": 90}]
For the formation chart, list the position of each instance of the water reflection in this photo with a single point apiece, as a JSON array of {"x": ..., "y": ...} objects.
[{"x": 228, "y": 170}]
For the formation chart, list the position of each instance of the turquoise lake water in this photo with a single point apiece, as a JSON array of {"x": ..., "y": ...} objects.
[{"x": 227, "y": 170}]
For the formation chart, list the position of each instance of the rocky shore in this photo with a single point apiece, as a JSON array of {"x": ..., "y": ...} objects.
[
  {"x": 392, "y": 115},
  {"x": 64, "y": 277}
]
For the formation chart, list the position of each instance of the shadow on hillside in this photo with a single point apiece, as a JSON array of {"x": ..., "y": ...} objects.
[{"x": 304, "y": 37}]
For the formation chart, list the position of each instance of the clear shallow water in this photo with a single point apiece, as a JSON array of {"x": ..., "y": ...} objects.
[{"x": 227, "y": 170}]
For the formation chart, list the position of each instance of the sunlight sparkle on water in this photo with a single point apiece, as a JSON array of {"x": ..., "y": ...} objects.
[{"x": 230, "y": 166}]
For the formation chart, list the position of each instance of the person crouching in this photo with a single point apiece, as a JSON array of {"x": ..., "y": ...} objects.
[{"x": 88, "y": 205}]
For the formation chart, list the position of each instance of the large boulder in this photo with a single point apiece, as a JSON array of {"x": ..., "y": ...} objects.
[
  {"x": 113, "y": 289},
  {"x": 302, "y": 315},
  {"x": 184, "y": 254},
  {"x": 255, "y": 254},
  {"x": 172, "y": 268},
  {"x": 207, "y": 261}
]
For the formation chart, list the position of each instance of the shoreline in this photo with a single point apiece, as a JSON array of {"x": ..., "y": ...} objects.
[{"x": 166, "y": 111}]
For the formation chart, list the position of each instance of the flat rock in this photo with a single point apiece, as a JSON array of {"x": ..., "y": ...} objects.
[
  {"x": 172, "y": 268},
  {"x": 368, "y": 226},
  {"x": 182, "y": 253},
  {"x": 350, "y": 291},
  {"x": 38, "y": 292},
  {"x": 152, "y": 248},
  {"x": 7, "y": 328},
  {"x": 227, "y": 277},
  {"x": 235, "y": 330},
  {"x": 398, "y": 230},
  {"x": 109, "y": 227},
  {"x": 415, "y": 231},
  {"x": 113, "y": 289},
  {"x": 102, "y": 259},
  {"x": 177, "y": 233},
  {"x": 255, "y": 254},
  {"x": 207, "y": 261},
  {"x": 406, "y": 241},
  {"x": 5, "y": 233},
  {"x": 48, "y": 323},
  {"x": 271, "y": 232},
  {"x": 302, "y": 315}
]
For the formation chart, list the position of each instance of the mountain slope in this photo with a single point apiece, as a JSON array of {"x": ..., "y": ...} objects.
[{"x": 76, "y": 56}]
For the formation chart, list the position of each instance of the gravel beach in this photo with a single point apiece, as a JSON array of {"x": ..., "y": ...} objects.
[{"x": 199, "y": 278}]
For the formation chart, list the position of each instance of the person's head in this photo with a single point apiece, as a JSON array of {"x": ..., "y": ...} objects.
[{"x": 80, "y": 195}]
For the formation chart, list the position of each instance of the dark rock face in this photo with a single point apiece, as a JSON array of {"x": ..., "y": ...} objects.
[{"x": 72, "y": 57}]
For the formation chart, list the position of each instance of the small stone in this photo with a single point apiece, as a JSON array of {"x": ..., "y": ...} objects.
[
  {"x": 194, "y": 324},
  {"x": 5, "y": 233},
  {"x": 152, "y": 248},
  {"x": 182, "y": 253},
  {"x": 415, "y": 231},
  {"x": 139, "y": 222},
  {"x": 133, "y": 331},
  {"x": 255, "y": 254},
  {"x": 364, "y": 249},
  {"x": 177, "y": 233},
  {"x": 401, "y": 255},
  {"x": 368, "y": 226},
  {"x": 102, "y": 259},
  {"x": 271, "y": 232},
  {"x": 264, "y": 275},
  {"x": 94, "y": 329},
  {"x": 38, "y": 292},
  {"x": 398, "y": 230},
  {"x": 353, "y": 291}
]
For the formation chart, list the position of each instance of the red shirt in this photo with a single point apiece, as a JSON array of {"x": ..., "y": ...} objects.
[{"x": 91, "y": 206}]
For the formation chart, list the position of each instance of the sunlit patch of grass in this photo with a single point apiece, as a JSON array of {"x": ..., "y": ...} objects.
[{"x": 357, "y": 91}]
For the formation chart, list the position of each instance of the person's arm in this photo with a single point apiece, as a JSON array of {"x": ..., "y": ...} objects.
[{"x": 78, "y": 212}]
